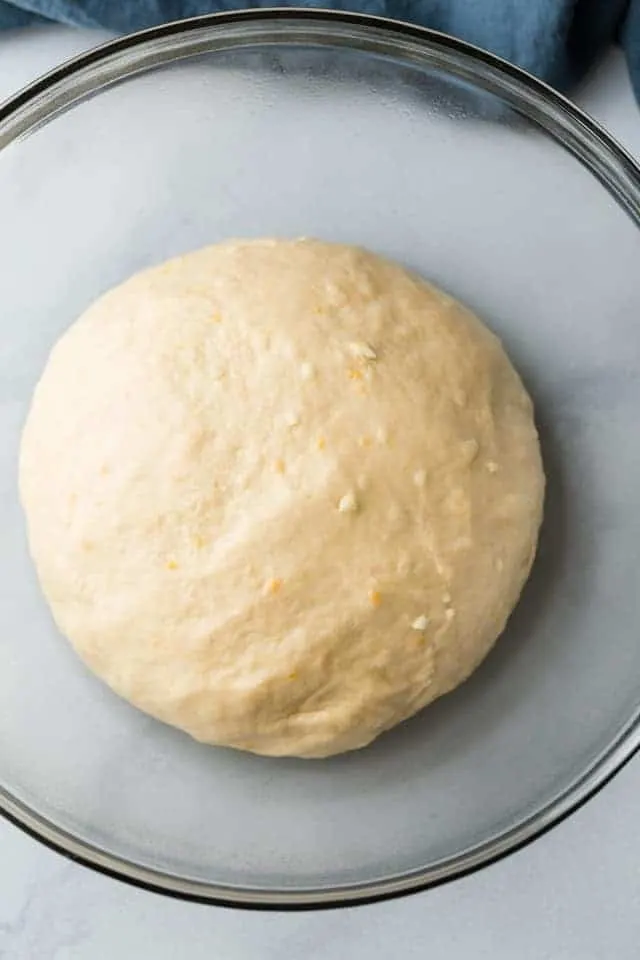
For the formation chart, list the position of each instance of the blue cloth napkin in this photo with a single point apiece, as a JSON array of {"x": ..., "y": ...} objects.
[{"x": 557, "y": 40}]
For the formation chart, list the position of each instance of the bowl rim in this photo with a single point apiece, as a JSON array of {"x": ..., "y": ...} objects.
[{"x": 591, "y": 145}]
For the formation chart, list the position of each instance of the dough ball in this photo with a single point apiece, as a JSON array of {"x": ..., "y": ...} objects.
[{"x": 281, "y": 494}]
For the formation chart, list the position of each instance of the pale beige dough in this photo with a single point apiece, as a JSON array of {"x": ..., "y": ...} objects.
[{"x": 281, "y": 494}]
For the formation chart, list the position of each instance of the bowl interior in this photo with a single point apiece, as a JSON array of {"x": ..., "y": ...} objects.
[{"x": 360, "y": 147}]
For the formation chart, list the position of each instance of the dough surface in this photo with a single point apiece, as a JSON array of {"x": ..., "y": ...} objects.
[{"x": 281, "y": 494}]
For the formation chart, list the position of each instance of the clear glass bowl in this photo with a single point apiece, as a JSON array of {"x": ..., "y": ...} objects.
[{"x": 434, "y": 153}]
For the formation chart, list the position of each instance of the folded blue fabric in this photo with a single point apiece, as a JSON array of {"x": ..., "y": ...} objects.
[{"x": 558, "y": 40}]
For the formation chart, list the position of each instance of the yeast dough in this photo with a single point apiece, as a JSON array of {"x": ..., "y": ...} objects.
[{"x": 281, "y": 494}]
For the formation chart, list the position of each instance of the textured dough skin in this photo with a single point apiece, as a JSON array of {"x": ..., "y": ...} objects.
[{"x": 182, "y": 467}]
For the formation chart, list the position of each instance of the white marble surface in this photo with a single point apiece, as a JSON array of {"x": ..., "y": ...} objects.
[{"x": 572, "y": 895}]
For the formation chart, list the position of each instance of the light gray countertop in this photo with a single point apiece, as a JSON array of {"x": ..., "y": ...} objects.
[{"x": 572, "y": 895}]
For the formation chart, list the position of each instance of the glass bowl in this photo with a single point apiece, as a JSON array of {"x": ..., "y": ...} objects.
[{"x": 434, "y": 153}]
